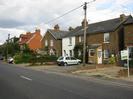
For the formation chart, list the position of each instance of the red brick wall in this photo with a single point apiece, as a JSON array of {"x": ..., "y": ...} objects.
[{"x": 35, "y": 42}]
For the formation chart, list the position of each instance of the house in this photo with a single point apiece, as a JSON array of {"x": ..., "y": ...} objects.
[
  {"x": 104, "y": 39},
  {"x": 52, "y": 41},
  {"x": 13, "y": 40},
  {"x": 68, "y": 44},
  {"x": 33, "y": 40},
  {"x": 128, "y": 30}
]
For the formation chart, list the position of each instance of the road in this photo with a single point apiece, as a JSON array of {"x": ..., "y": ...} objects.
[{"x": 21, "y": 83}]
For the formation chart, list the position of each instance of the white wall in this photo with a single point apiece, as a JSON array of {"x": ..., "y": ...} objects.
[{"x": 67, "y": 47}]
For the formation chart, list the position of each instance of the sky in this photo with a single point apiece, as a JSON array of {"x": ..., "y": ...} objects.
[{"x": 20, "y": 16}]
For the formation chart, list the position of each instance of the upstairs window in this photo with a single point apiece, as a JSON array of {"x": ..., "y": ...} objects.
[
  {"x": 80, "y": 39},
  {"x": 106, "y": 37},
  {"x": 51, "y": 43},
  {"x": 46, "y": 42},
  {"x": 70, "y": 41}
]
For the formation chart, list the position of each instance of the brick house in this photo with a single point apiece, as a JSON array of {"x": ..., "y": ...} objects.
[
  {"x": 104, "y": 39},
  {"x": 33, "y": 40},
  {"x": 52, "y": 41},
  {"x": 128, "y": 28}
]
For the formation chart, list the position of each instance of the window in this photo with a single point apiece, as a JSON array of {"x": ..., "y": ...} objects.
[
  {"x": 91, "y": 52},
  {"x": 70, "y": 41},
  {"x": 80, "y": 39},
  {"x": 106, "y": 53},
  {"x": 70, "y": 51},
  {"x": 46, "y": 42},
  {"x": 106, "y": 37},
  {"x": 65, "y": 52},
  {"x": 51, "y": 43},
  {"x": 72, "y": 58},
  {"x": 79, "y": 53},
  {"x": 68, "y": 58}
]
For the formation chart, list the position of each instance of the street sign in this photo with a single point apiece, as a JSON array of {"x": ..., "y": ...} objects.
[{"x": 124, "y": 55}]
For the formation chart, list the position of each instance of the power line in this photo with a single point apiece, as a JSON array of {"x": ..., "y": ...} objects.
[
  {"x": 64, "y": 14},
  {"x": 69, "y": 12}
]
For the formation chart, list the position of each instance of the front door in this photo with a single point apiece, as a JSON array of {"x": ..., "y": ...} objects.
[{"x": 99, "y": 56}]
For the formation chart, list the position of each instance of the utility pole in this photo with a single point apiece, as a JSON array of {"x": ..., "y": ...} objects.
[
  {"x": 85, "y": 27},
  {"x": 7, "y": 46}
]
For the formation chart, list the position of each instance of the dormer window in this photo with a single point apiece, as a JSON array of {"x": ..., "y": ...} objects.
[{"x": 106, "y": 37}]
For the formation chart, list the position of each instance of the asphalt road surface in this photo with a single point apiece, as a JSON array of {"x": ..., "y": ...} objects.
[{"x": 21, "y": 83}]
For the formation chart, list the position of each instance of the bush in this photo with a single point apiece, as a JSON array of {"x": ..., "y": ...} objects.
[
  {"x": 22, "y": 58},
  {"x": 42, "y": 59}
]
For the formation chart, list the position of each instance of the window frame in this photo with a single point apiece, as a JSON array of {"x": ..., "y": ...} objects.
[
  {"x": 46, "y": 42},
  {"x": 106, "y": 37},
  {"x": 51, "y": 43},
  {"x": 106, "y": 57},
  {"x": 90, "y": 52}
]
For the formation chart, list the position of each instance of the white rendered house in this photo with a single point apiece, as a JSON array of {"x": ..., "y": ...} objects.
[{"x": 68, "y": 45}]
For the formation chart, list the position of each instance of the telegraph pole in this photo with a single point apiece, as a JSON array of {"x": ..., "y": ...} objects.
[
  {"x": 7, "y": 46},
  {"x": 85, "y": 27}
]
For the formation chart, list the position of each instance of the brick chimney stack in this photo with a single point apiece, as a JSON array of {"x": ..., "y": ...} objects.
[
  {"x": 70, "y": 28},
  {"x": 122, "y": 17},
  {"x": 56, "y": 27},
  {"x": 37, "y": 31}
]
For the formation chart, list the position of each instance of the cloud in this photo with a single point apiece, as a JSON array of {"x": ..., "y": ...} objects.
[{"x": 17, "y": 16}]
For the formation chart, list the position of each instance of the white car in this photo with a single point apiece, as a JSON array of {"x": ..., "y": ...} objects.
[
  {"x": 67, "y": 61},
  {"x": 10, "y": 60}
]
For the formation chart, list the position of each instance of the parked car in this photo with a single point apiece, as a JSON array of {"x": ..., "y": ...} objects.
[
  {"x": 67, "y": 61},
  {"x": 1, "y": 58},
  {"x": 10, "y": 60}
]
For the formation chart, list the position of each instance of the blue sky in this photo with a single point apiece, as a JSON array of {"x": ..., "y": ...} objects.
[{"x": 19, "y": 16}]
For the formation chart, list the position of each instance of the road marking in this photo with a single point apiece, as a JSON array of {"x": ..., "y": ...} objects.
[{"x": 26, "y": 78}]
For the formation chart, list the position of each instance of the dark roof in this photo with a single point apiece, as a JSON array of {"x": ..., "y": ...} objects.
[
  {"x": 57, "y": 34},
  {"x": 129, "y": 21},
  {"x": 99, "y": 27}
]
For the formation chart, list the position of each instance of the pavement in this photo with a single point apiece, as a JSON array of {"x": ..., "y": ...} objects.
[
  {"x": 24, "y": 83},
  {"x": 110, "y": 72}
]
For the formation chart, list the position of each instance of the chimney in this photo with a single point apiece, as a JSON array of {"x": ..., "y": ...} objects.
[
  {"x": 70, "y": 28},
  {"x": 83, "y": 22},
  {"x": 28, "y": 33},
  {"x": 56, "y": 27},
  {"x": 37, "y": 31},
  {"x": 122, "y": 17}
]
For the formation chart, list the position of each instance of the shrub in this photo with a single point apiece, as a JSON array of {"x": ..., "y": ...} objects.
[
  {"x": 42, "y": 59},
  {"x": 22, "y": 58}
]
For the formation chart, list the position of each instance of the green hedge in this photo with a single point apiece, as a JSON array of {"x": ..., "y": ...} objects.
[
  {"x": 42, "y": 59},
  {"x": 22, "y": 58}
]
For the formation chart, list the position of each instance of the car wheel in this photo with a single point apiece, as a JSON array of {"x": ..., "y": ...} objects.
[
  {"x": 78, "y": 63},
  {"x": 65, "y": 64}
]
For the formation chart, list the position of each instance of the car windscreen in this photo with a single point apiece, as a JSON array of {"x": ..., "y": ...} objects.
[{"x": 60, "y": 58}]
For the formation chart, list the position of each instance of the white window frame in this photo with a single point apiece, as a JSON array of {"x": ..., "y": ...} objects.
[
  {"x": 105, "y": 36},
  {"x": 90, "y": 52},
  {"x": 70, "y": 53},
  {"x": 105, "y": 54},
  {"x": 51, "y": 43},
  {"x": 46, "y": 42},
  {"x": 70, "y": 40},
  {"x": 80, "y": 39}
]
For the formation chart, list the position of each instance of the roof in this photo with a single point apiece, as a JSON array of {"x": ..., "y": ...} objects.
[
  {"x": 57, "y": 34},
  {"x": 129, "y": 21},
  {"x": 24, "y": 38},
  {"x": 99, "y": 27}
]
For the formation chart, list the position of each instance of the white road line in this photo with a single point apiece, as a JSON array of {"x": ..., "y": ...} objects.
[{"x": 26, "y": 78}]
